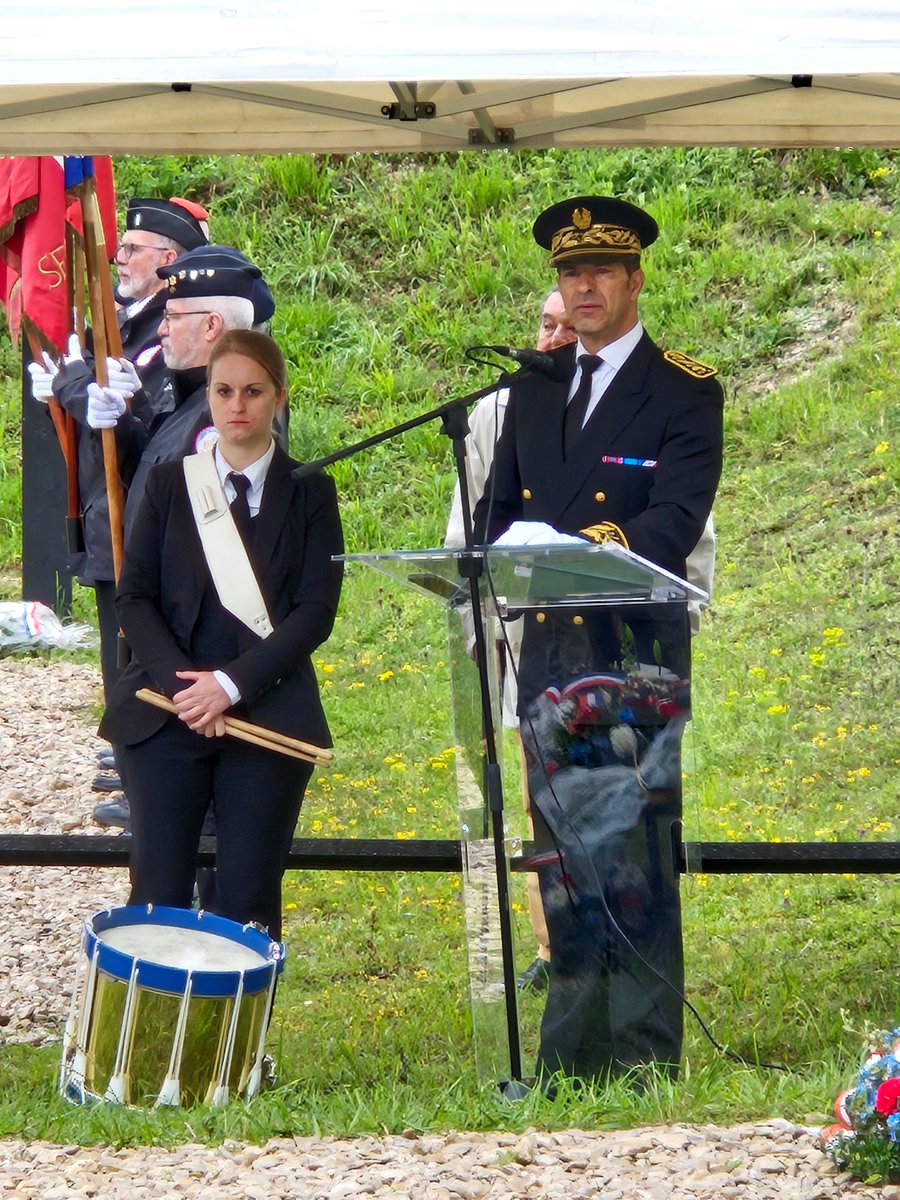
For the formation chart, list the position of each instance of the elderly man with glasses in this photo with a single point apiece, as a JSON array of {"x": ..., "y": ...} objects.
[{"x": 207, "y": 292}]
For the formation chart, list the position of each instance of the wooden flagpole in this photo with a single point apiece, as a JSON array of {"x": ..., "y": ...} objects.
[{"x": 107, "y": 341}]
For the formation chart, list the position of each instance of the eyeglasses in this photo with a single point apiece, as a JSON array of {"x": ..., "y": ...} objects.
[
  {"x": 127, "y": 250},
  {"x": 192, "y": 312}
]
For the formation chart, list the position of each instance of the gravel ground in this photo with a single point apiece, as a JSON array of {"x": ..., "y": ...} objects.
[
  {"x": 47, "y": 746},
  {"x": 47, "y": 762}
]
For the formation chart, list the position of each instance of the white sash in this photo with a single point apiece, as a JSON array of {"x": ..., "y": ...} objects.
[{"x": 226, "y": 554}]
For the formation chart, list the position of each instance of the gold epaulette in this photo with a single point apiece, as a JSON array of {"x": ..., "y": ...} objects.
[
  {"x": 606, "y": 531},
  {"x": 697, "y": 370}
]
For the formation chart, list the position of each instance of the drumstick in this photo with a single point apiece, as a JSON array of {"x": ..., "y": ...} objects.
[
  {"x": 256, "y": 735},
  {"x": 283, "y": 740}
]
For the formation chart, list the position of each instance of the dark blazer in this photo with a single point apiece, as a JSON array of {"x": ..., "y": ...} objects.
[
  {"x": 165, "y": 592},
  {"x": 653, "y": 410}
]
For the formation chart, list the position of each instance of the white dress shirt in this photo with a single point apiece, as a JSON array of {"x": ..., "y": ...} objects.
[
  {"x": 614, "y": 357},
  {"x": 256, "y": 473}
]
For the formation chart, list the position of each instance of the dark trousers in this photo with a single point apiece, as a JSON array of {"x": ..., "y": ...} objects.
[
  {"x": 605, "y": 783},
  {"x": 171, "y": 779},
  {"x": 614, "y": 1000}
]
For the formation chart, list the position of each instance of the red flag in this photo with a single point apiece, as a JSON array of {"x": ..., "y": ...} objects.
[
  {"x": 106, "y": 198},
  {"x": 34, "y": 249},
  {"x": 44, "y": 257},
  {"x": 19, "y": 185}
]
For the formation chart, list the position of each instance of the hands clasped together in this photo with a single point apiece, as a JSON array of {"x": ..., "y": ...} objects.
[{"x": 203, "y": 703}]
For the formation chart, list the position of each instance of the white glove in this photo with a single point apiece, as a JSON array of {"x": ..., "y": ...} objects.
[
  {"x": 122, "y": 377},
  {"x": 104, "y": 407},
  {"x": 536, "y": 533},
  {"x": 42, "y": 378},
  {"x": 73, "y": 353}
]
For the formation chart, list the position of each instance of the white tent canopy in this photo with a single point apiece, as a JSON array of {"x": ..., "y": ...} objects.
[{"x": 245, "y": 76}]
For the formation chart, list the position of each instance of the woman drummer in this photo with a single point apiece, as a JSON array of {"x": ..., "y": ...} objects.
[{"x": 188, "y": 645}]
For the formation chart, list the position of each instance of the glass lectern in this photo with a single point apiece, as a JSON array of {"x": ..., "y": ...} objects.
[{"x": 603, "y": 691}]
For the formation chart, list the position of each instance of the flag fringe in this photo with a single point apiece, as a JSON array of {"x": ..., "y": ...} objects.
[{"x": 24, "y": 208}]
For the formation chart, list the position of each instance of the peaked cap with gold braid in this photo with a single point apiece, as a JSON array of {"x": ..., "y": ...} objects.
[{"x": 592, "y": 227}]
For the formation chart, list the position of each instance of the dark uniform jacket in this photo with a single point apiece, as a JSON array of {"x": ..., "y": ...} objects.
[
  {"x": 139, "y": 339},
  {"x": 172, "y": 618},
  {"x": 653, "y": 411},
  {"x": 171, "y": 434}
]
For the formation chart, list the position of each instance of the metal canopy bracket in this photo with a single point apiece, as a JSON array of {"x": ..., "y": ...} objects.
[
  {"x": 407, "y": 106},
  {"x": 400, "y": 112}
]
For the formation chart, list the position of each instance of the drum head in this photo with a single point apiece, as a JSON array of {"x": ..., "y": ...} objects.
[{"x": 168, "y": 944}]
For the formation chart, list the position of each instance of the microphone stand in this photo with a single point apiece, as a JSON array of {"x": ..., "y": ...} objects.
[{"x": 454, "y": 423}]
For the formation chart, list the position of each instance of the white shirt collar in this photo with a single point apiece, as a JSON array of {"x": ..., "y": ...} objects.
[
  {"x": 255, "y": 472},
  {"x": 616, "y": 352}
]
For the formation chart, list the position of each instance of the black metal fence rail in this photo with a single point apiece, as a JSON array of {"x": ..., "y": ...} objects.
[
  {"x": 319, "y": 854},
  {"x": 790, "y": 858},
  {"x": 384, "y": 854}
]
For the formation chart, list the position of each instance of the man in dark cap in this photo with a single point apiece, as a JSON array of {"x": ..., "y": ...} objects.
[
  {"x": 620, "y": 442},
  {"x": 205, "y": 293},
  {"x": 156, "y": 232}
]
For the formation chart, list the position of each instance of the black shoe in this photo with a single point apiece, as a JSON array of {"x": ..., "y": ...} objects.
[
  {"x": 106, "y": 783},
  {"x": 114, "y": 813},
  {"x": 534, "y": 978}
]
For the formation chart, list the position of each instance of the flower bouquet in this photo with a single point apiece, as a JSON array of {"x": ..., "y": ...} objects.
[
  {"x": 866, "y": 1137},
  {"x": 30, "y": 625}
]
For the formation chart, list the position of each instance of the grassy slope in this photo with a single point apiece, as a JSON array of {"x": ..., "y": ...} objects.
[{"x": 783, "y": 270}]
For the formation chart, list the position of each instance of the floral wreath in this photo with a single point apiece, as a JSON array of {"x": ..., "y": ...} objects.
[{"x": 866, "y": 1136}]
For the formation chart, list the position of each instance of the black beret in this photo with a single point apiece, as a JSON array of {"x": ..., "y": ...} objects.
[
  {"x": 177, "y": 219},
  {"x": 261, "y": 295},
  {"x": 211, "y": 271},
  {"x": 591, "y": 227}
]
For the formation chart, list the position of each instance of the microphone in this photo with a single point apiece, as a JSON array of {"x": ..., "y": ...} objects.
[{"x": 536, "y": 359}]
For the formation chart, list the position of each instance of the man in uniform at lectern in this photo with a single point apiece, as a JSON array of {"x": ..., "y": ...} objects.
[{"x": 621, "y": 443}]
